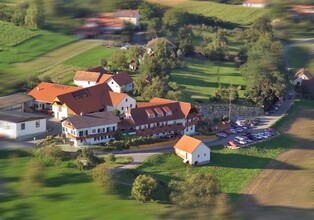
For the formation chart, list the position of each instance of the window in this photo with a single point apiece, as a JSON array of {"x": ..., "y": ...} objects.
[
  {"x": 94, "y": 131},
  {"x": 191, "y": 128},
  {"x": 126, "y": 100},
  {"x": 130, "y": 105},
  {"x": 88, "y": 82},
  {"x": 81, "y": 133},
  {"x": 37, "y": 124},
  {"x": 23, "y": 126},
  {"x": 122, "y": 108},
  {"x": 112, "y": 82},
  {"x": 98, "y": 131},
  {"x": 113, "y": 128},
  {"x": 204, "y": 155},
  {"x": 198, "y": 155}
]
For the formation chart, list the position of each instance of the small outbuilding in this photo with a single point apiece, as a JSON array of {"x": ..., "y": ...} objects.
[{"x": 192, "y": 151}]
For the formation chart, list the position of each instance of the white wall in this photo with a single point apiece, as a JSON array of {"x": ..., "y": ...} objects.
[
  {"x": 84, "y": 84},
  {"x": 254, "y": 5},
  {"x": 14, "y": 130},
  {"x": 201, "y": 155},
  {"x": 38, "y": 105},
  {"x": 91, "y": 131},
  {"x": 114, "y": 86},
  {"x": 8, "y": 129},
  {"x": 127, "y": 103},
  {"x": 189, "y": 130},
  {"x": 135, "y": 21},
  {"x": 60, "y": 112}
]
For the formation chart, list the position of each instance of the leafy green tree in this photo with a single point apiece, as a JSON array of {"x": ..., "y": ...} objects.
[
  {"x": 198, "y": 190},
  {"x": 116, "y": 112},
  {"x": 216, "y": 49},
  {"x": 155, "y": 89},
  {"x": 101, "y": 174},
  {"x": 138, "y": 85},
  {"x": 134, "y": 53},
  {"x": 35, "y": 18},
  {"x": 147, "y": 11},
  {"x": 174, "y": 95},
  {"x": 153, "y": 28},
  {"x": 18, "y": 17},
  {"x": 174, "y": 86},
  {"x": 185, "y": 36},
  {"x": 173, "y": 19},
  {"x": 118, "y": 61},
  {"x": 112, "y": 157},
  {"x": 32, "y": 82},
  {"x": 143, "y": 188},
  {"x": 47, "y": 79}
]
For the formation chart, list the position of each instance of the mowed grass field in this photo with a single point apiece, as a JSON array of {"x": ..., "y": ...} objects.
[
  {"x": 66, "y": 193},
  {"x": 234, "y": 169},
  {"x": 201, "y": 78},
  {"x": 232, "y": 13},
  {"x": 301, "y": 56}
]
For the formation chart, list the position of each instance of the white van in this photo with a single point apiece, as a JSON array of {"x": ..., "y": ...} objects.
[{"x": 240, "y": 140}]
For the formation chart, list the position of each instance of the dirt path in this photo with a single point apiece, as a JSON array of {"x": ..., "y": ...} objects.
[{"x": 280, "y": 192}]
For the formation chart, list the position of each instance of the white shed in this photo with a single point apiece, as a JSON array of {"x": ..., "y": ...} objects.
[
  {"x": 17, "y": 125},
  {"x": 192, "y": 151}
]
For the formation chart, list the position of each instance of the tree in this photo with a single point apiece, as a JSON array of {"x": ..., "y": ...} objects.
[
  {"x": 118, "y": 61},
  {"x": 112, "y": 157},
  {"x": 143, "y": 188},
  {"x": 103, "y": 62},
  {"x": 47, "y": 79},
  {"x": 198, "y": 190},
  {"x": 147, "y": 11},
  {"x": 185, "y": 36},
  {"x": 101, "y": 174},
  {"x": 173, "y": 19},
  {"x": 155, "y": 89},
  {"x": 138, "y": 85},
  {"x": 174, "y": 95},
  {"x": 35, "y": 18},
  {"x": 134, "y": 53},
  {"x": 116, "y": 112},
  {"x": 18, "y": 17},
  {"x": 216, "y": 49},
  {"x": 153, "y": 28},
  {"x": 32, "y": 82}
]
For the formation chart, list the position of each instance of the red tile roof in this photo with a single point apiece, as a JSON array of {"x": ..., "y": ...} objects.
[
  {"x": 187, "y": 144},
  {"x": 114, "y": 98},
  {"x": 87, "y": 76},
  {"x": 126, "y": 13},
  {"x": 104, "y": 78},
  {"x": 152, "y": 43},
  {"x": 46, "y": 92},
  {"x": 85, "y": 100},
  {"x": 122, "y": 78}
]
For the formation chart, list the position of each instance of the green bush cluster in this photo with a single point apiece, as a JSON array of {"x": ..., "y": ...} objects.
[
  {"x": 49, "y": 155},
  {"x": 129, "y": 141}
]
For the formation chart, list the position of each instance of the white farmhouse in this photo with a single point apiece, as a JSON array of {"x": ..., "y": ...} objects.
[
  {"x": 86, "y": 79},
  {"x": 192, "y": 151},
  {"x": 301, "y": 75},
  {"x": 94, "y": 128},
  {"x": 130, "y": 16},
  {"x": 17, "y": 125},
  {"x": 256, "y": 3},
  {"x": 120, "y": 82}
]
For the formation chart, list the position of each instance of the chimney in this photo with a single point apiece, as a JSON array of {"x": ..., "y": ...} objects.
[
  {"x": 81, "y": 114},
  {"x": 117, "y": 72},
  {"x": 37, "y": 88}
]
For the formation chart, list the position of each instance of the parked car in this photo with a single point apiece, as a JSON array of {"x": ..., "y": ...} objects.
[
  {"x": 257, "y": 136},
  {"x": 263, "y": 135},
  {"x": 227, "y": 131},
  {"x": 233, "y": 144},
  {"x": 251, "y": 136},
  {"x": 248, "y": 140},
  {"x": 240, "y": 140},
  {"x": 270, "y": 130},
  {"x": 222, "y": 135},
  {"x": 239, "y": 129},
  {"x": 232, "y": 131}
]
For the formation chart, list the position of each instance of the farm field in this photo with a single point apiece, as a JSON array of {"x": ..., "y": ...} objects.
[
  {"x": 66, "y": 193},
  {"x": 200, "y": 78},
  {"x": 232, "y": 13},
  {"x": 274, "y": 193}
]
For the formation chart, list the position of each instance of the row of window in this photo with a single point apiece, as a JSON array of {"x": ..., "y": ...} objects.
[
  {"x": 102, "y": 138},
  {"x": 23, "y": 125}
]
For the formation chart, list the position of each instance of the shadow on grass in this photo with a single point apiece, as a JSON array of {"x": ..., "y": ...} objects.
[
  {"x": 249, "y": 208},
  {"x": 67, "y": 178},
  {"x": 19, "y": 211},
  {"x": 56, "y": 197},
  {"x": 5, "y": 154}
]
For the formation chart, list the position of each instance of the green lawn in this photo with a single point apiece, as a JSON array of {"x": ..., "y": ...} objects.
[
  {"x": 232, "y": 13},
  {"x": 11, "y": 35},
  {"x": 91, "y": 57},
  {"x": 299, "y": 57},
  {"x": 200, "y": 78},
  {"x": 66, "y": 194},
  {"x": 233, "y": 168}
]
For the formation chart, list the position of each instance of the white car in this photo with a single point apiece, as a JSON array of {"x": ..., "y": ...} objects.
[
  {"x": 263, "y": 135},
  {"x": 257, "y": 136}
]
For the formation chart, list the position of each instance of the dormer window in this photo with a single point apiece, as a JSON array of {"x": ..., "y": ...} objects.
[
  {"x": 167, "y": 110},
  {"x": 159, "y": 112},
  {"x": 150, "y": 113}
]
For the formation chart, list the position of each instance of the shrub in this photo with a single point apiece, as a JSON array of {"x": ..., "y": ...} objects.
[
  {"x": 143, "y": 188},
  {"x": 101, "y": 174},
  {"x": 49, "y": 155},
  {"x": 112, "y": 157}
]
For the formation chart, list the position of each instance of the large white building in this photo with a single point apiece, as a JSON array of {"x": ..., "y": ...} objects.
[
  {"x": 17, "y": 125},
  {"x": 192, "y": 151},
  {"x": 92, "y": 99},
  {"x": 94, "y": 128},
  {"x": 160, "y": 117},
  {"x": 120, "y": 82}
]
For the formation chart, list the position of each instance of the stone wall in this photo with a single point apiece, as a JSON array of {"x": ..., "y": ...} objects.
[{"x": 212, "y": 111}]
